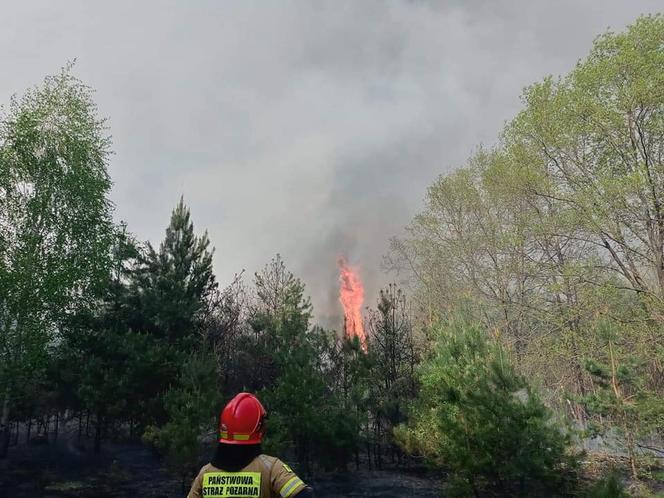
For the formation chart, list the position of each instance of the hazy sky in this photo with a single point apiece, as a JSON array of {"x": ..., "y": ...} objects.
[{"x": 306, "y": 128}]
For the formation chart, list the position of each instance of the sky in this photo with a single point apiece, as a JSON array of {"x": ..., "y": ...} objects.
[{"x": 305, "y": 128}]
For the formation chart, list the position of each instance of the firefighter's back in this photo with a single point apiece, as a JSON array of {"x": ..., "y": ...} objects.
[{"x": 265, "y": 477}]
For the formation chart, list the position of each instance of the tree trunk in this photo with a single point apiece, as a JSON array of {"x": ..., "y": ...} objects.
[
  {"x": 631, "y": 453},
  {"x": 97, "y": 443},
  {"x": 379, "y": 456},
  {"x": 18, "y": 432},
  {"x": 368, "y": 432},
  {"x": 4, "y": 427},
  {"x": 378, "y": 450}
]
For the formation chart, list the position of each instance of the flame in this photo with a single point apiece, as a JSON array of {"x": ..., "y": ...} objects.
[{"x": 351, "y": 295}]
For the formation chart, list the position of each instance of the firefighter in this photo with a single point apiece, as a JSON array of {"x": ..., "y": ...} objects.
[{"x": 238, "y": 468}]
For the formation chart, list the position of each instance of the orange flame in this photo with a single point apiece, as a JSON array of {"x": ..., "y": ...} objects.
[{"x": 351, "y": 295}]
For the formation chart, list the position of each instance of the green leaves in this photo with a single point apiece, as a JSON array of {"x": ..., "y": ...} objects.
[
  {"x": 559, "y": 230},
  {"x": 595, "y": 133},
  {"x": 481, "y": 420},
  {"x": 55, "y": 221}
]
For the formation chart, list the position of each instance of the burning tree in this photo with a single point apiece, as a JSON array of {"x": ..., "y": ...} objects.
[{"x": 351, "y": 295}]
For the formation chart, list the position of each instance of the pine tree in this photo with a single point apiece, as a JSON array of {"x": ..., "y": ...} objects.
[
  {"x": 306, "y": 416},
  {"x": 174, "y": 289},
  {"x": 191, "y": 404},
  {"x": 392, "y": 351},
  {"x": 111, "y": 363},
  {"x": 621, "y": 397},
  {"x": 173, "y": 285},
  {"x": 479, "y": 418},
  {"x": 349, "y": 376}
]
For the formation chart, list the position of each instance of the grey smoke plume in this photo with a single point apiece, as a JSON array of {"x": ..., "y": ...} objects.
[{"x": 311, "y": 129}]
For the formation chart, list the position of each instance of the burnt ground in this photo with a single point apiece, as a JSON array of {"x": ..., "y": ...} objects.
[
  {"x": 391, "y": 483},
  {"x": 67, "y": 469}
]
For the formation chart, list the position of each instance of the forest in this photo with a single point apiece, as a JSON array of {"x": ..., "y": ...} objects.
[{"x": 520, "y": 354}]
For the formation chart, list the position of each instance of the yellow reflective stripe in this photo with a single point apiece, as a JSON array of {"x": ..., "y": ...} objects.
[
  {"x": 241, "y": 437},
  {"x": 288, "y": 488}
]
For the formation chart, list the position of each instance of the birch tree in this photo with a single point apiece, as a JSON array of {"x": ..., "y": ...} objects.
[{"x": 55, "y": 223}]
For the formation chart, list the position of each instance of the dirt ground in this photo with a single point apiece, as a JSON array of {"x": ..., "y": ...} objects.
[
  {"x": 385, "y": 483},
  {"x": 65, "y": 469},
  {"x": 68, "y": 468}
]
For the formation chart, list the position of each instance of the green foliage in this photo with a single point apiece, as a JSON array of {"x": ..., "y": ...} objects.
[
  {"x": 594, "y": 136},
  {"x": 191, "y": 405},
  {"x": 55, "y": 224},
  {"x": 119, "y": 377},
  {"x": 167, "y": 296},
  {"x": 392, "y": 358},
  {"x": 622, "y": 397},
  {"x": 393, "y": 354},
  {"x": 560, "y": 227},
  {"x": 608, "y": 486},
  {"x": 481, "y": 420},
  {"x": 171, "y": 288},
  {"x": 350, "y": 377},
  {"x": 544, "y": 240},
  {"x": 135, "y": 344},
  {"x": 306, "y": 415}
]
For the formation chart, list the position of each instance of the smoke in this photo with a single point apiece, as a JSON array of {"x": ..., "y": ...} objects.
[{"x": 309, "y": 129}]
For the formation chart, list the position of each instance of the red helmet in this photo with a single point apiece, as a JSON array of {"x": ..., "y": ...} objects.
[{"x": 241, "y": 421}]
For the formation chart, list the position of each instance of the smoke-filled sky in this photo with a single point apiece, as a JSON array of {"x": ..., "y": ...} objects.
[{"x": 306, "y": 128}]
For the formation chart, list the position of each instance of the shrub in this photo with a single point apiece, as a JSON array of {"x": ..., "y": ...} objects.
[
  {"x": 608, "y": 487},
  {"x": 478, "y": 418}
]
